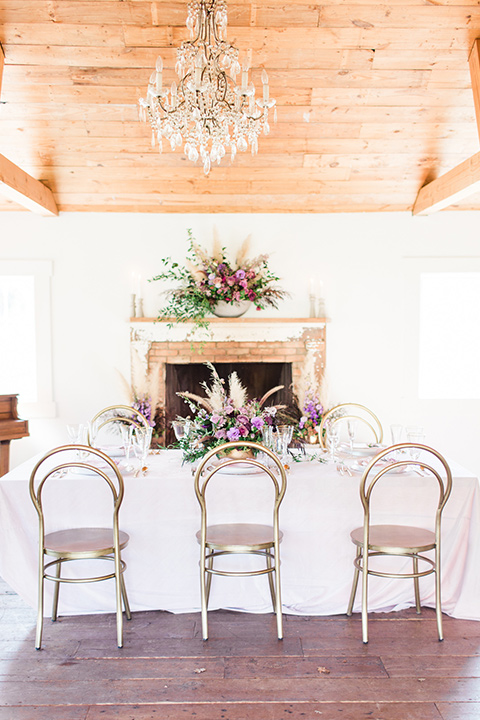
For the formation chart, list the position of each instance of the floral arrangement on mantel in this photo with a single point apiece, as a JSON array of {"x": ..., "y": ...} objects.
[
  {"x": 205, "y": 280},
  {"x": 224, "y": 416}
]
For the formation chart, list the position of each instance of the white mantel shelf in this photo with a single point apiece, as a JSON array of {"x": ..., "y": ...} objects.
[{"x": 259, "y": 329}]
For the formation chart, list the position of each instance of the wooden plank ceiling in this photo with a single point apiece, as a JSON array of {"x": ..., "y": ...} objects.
[{"x": 373, "y": 102}]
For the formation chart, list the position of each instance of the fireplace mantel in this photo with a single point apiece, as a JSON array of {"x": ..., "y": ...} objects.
[{"x": 250, "y": 329}]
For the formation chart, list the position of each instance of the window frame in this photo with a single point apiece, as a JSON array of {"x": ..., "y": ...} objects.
[{"x": 41, "y": 271}]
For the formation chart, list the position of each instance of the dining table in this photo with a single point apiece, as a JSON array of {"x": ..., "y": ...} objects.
[{"x": 321, "y": 507}]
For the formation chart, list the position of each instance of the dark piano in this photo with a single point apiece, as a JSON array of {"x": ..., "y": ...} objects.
[{"x": 11, "y": 428}]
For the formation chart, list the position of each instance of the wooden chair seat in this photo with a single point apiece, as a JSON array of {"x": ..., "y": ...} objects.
[
  {"x": 395, "y": 538},
  {"x": 238, "y": 537},
  {"x": 78, "y": 542}
]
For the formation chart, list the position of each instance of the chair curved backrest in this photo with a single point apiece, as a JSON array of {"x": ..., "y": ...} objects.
[
  {"x": 379, "y": 468},
  {"x": 116, "y": 414},
  {"x": 207, "y": 469},
  {"x": 74, "y": 456},
  {"x": 351, "y": 411}
]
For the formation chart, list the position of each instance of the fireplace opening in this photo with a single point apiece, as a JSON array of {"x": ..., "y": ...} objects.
[{"x": 256, "y": 377}]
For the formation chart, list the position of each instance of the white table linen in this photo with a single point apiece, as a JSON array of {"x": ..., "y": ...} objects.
[{"x": 321, "y": 507}]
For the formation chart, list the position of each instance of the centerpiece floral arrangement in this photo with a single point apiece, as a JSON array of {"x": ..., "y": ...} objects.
[
  {"x": 224, "y": 416},
  {"x": 143, "y": 394},
  {"x": 206, "y": 279},
  {"x": 310, "y": 395}
]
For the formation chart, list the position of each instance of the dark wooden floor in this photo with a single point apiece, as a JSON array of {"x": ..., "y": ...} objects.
[{"x": 166, "y": 672}]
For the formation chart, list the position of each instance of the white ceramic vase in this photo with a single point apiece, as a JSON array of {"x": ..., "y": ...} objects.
[{"x": 231, "y": 310}]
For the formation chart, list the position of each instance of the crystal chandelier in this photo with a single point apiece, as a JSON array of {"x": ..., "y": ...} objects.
[{"x": 207, "y": 112}]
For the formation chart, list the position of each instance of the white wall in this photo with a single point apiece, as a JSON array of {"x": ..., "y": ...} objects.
[{"x": 361, "y": 259}]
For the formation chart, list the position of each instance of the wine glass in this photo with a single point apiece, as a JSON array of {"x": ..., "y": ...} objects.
[
  {"x": 416, "y": 438},
  {"x": 333, "y": 438},
  {"x": 76, "y": 433},
  {"x": 352, "y": 429},
  {"x": 127, "y": 438}
]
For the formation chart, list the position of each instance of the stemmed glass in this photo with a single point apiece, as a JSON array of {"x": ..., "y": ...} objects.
[
  {"x": 352, "y": 429},
  {"x": 141, "y": 445},
  {"x": 416, "y": 436},
  {"x": 127, "y": 438},
  {"x": 284, "y": 438},
  {"x": 78, "y": 436},
  {"x": 333, "y": 438}
]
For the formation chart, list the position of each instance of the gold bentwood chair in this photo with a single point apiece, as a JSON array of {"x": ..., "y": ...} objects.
[
  {"x": 400, "y": 540},
  {"x": 79, "y": 543},
  {"x": 351, "y": 411},
  {"x": 116, "y": 415},
  {"x": 240, "y": 538}
]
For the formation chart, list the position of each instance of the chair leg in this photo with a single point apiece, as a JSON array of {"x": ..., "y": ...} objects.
[
  {"x": 438, "y": 594},
  {"x": 203, "y": 593},
  {"x": 41, "y": 585},
  {"x": 278, "y": 597},
  {"x": 209, "y": 577},
  {"x": 365, "y": 596},
  {"x": 270, "y": 578},
  {"x": 354, "y": 586},
  {"x": 416, "y": 586},
  {"x": 118, "y": 599},
  {"x": 56, "y": 591},
  {"x": 126, "y": 604}
]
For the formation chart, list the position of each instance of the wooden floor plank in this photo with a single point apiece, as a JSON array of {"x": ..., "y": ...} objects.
[{"x": 165, "y": 671}]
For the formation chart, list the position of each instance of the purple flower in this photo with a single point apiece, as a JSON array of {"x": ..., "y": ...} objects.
[
  {"x": 240, "y": 274},
  {"x": 258, "y": 423},
  {"x": 242, "y": 420},
  {"x": 221, "y": 434},
  {"x": 233, "y": 434},
  {"x": 215, "y": 418}
]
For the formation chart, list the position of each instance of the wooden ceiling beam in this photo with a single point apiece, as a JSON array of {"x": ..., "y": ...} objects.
[
  {"x": 458, "y": 183},
  {"x": 474, "y": 63},
  {"x": 17, "y": 185},
  {"x": 464, "y": 179},
  {"x": 2, "y": 63}
]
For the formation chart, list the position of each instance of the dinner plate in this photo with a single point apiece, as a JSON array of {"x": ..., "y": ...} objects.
[
  {"x": 113, "y": 451},
  {"x": 359, "y": 466},
  {"x": 361, "y": 449},
  {"x": 238, "y": 469}
]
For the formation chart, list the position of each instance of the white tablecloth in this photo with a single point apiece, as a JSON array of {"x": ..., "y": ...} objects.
[{"x": 321, "y": 507}]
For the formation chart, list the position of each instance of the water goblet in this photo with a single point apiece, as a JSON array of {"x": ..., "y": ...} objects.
[
  {"x": 141, "y": 445},
  {"x": 178, "y": 428},
  {"x": 284, "y": 438}
]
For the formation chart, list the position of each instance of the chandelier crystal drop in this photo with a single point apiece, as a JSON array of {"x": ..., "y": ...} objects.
[{"x": 206, "y": 111}]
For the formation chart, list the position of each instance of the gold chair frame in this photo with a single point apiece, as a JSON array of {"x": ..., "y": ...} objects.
[
  {"x": 377, "y": 431},
  {"x": 399, "y": 540},
  {"x": 79, "y": 543},
  {"x": 137, "y": 419},
  {"x": 234, "y": 538}
]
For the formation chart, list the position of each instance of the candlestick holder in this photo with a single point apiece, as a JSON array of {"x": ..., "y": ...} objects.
[
  {"x": 139, "y": 307},
  {"x": 312, "y": 306},
  {"x": 133, "y": 305},
  {"x": 321, "y": 310}
]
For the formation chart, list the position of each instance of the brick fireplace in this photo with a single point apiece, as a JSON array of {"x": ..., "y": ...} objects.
[{"x": 233, "y": 340}]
